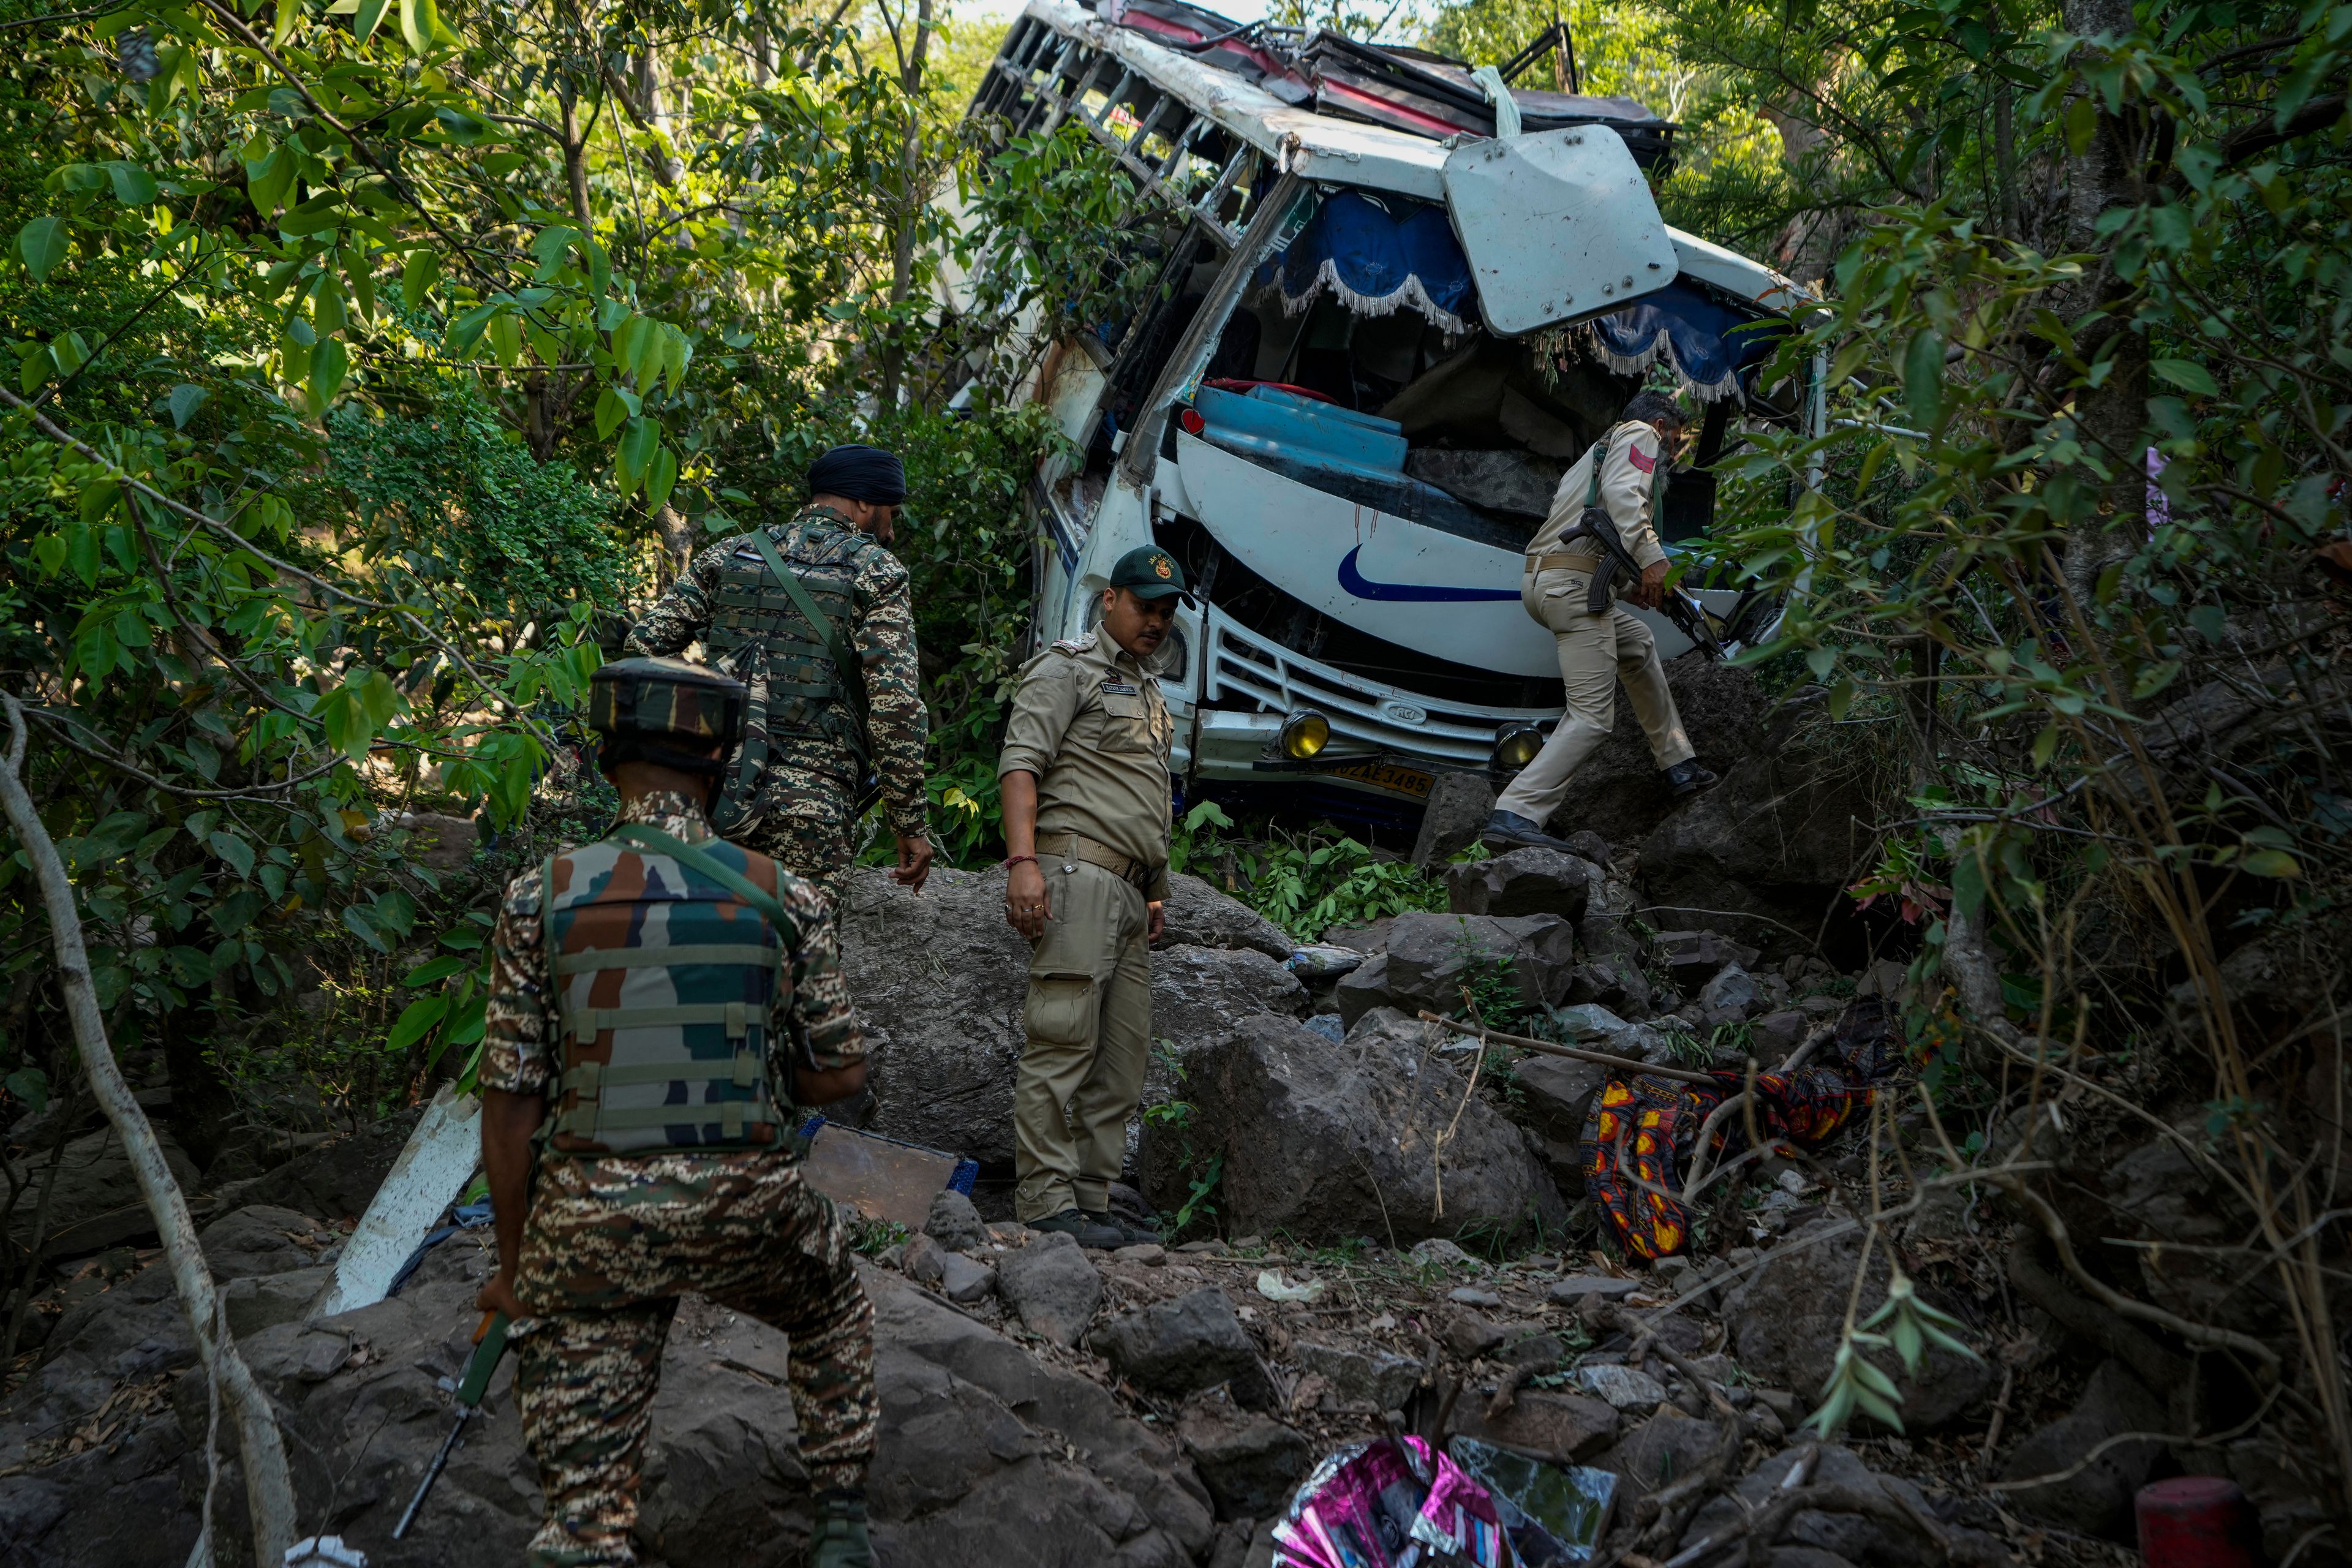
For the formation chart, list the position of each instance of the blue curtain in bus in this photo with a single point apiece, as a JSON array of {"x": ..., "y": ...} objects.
[
  {"x": 1707, "y": 341},
  {"x": 1375, "y": 260}
]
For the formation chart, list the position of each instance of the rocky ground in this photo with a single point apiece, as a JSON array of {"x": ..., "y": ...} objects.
[{"x": 1390, "y": 1234}]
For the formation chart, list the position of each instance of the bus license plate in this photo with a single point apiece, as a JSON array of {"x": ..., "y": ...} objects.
[{"x": 1393, "y": 777}]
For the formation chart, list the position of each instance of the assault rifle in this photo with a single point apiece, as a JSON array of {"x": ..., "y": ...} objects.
[
  {"x": 489, "y": 1347},
  {"x": 1598, "y": 526}
]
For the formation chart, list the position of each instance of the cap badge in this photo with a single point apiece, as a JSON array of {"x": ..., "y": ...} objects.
[{"x": 1162, "y": 565}]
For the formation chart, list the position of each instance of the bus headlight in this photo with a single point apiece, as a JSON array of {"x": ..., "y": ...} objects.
[
  {"x": 1305, "y": 734},
  {"x": 1516, "y": 745}
]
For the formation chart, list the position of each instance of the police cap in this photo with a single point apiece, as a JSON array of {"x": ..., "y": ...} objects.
[{"x": 1149, "y": 572}]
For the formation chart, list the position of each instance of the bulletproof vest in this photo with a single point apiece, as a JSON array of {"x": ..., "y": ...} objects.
[
  {"x": 665, "y": 982},
  {"x": 759, "y": 633}
]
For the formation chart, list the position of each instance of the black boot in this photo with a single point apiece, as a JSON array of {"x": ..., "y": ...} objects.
[
  {"x": 1507, "y": 830},
  {"x": 838, "y": 1539},
  {"x": 1094, "y": 1231},
  {"x": 1132, "y": 1233},
  {"x": 1688, "y": 778}
]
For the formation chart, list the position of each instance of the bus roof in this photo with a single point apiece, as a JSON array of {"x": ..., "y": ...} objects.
[{"x": 1332, "y": 151}]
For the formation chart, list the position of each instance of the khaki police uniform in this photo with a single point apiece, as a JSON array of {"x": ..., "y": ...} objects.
[
  {"x": 1090, "y": 722},
  {"x": 1596, "y": 652}
]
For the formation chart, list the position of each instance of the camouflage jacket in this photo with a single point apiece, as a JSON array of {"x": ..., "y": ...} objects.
[
  {"x": 881, "y": 631},
  {"x": 519, "y": 1042}
]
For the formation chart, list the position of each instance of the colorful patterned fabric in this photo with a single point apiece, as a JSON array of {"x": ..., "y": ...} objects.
[
  {"x": 862, "y": 587},
  {"x": 1639, "y": 1135}
]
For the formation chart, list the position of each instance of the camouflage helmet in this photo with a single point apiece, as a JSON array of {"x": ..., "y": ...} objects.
[{"x": 637, "y": 704}]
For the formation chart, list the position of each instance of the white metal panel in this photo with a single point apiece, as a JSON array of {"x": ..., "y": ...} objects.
[
  {"x": 434, "y": 1167},
  {"x": 1557, "y": 226},
  {"x": 1736, "y": 275},
  {"x": 1415, "y": 586}
]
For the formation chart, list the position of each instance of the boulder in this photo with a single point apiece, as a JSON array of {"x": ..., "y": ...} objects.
[
  {"x": 255, "y": 1303},
  {"x": 1627, "y": 1389},
  {"x": 263, "y": 1239},
  {"x": 1778, "y": 1034},
  {"x": 1596, "y": 1028},
  {"x": 939, "y": 982},
  {"x": 955, "y": 1224},
  {"x": 1198, "y": 915},
  {"x": 1575, "y": 1287},
  {"x": 1564, "y": 1427},
  {"x": 964, "y": 1281},
  {"x": 94, "y": 1203},
  {"x": 1786, "y": 1318},
  {"x": 1429, "y": 954},
  {"x": 1524, "y": 882},
  {"x": 1695, "y": 957},
  {"x": 1051, "y": 1285},
  {"x": 988, "y": 1458},
  {"x": 2096, "y": 1500},
  {"x": 1250, "y": 1463},
  {"x": 1617, "y": 793},
  {"x": 441, "y": 844},
  {"x": 1456, "y": 812},
  {"x": 1733, "y": 991},
  {"x": 1771, "y": 849},
  {"x": 1183, "y": 1346},
  {"x": 334, "y": 1180},
  {"x": 1320, "y": 1140},
  {"x": 1359, "y": 1376},
  {"x": 1612, "y": 980},
  {"x": 1831, "y": 1538},
  {"x": 1660, "y": 1450}
]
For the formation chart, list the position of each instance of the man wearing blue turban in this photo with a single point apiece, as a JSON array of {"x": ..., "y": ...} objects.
[{"x": 814, "y": 617}]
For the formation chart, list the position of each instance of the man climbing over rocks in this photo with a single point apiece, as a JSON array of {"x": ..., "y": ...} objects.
[
  {"x": 1598, "y": 650},
  {"x": 662, "y": 1003}
]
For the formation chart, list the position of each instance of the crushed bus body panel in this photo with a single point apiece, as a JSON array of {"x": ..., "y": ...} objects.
[{"x": 1377, "y": 337}]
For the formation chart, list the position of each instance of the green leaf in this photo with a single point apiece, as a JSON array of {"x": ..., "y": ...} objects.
[
  {"x": 417, "y": 276},
  {"x": 267, "y": 183},
  {"x": 419, "y": 1019},
  {"x": 43, "y": 243},
  {"x": 433, "y": 969},
  {"x": 30, "y": 1084},
  {"x": 184, "y": 401},
  {"x": 235, "y": 850},
  {"x": 660, "y": 478},
  {"x": 289, "y": 17},
  {"x": 417, "y": 20},
  {"x": 610, "y": 411},
  {"x": 133, "y": 186},
  {"x": 506, "y": 337},
  {"x": 329, "y": 362},
  {"x": 355, "y": 920},
  {"x": 2271, "y": 863},
  {"x": 363, "y": 24},
  {"x": 2185, "y": 374},
  {"x": 636, "y": 450},
  {"x": 1923, "y": 380}
]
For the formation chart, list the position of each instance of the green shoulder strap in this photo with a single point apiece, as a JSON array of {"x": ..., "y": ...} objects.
[
  {"x": 845, "y": 659},
  {"x": 742, "y": 887},
  {"x": 1596, "y": 457}
]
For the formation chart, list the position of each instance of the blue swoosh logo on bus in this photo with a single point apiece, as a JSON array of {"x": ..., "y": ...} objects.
[{"x": 1363, "y": 587}]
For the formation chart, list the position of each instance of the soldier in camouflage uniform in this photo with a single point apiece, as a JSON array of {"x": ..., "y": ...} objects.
[
  {"x": 659, "y": 1003},
  {"x": 821, "y": 724}
]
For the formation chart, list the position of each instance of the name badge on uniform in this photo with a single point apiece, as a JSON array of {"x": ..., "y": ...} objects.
[{"x": 1118, "y": 688}]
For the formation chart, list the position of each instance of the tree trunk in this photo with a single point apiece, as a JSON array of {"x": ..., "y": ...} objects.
[
  {"x": 910, "y": 203},
  {"x": 269, "y": 1484},
  {"x": 2111, "y": 417}
]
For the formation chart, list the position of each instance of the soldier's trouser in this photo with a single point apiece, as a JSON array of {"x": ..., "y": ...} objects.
[
  {"x": 1089, "y": 1024},
  {"x": 809, "y": 831},
  {"x": 1596, "y": 652},
  {"x": 610, "y": 1244}
]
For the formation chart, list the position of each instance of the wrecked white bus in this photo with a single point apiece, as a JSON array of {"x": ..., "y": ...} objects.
[{"x": 1381, "y": 327}]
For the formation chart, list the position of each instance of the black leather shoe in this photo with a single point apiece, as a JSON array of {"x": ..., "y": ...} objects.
[
  {"x": 1132, "y": 1233},
  {"x": 1688, "y": 778},
  {"x": 1091, "y": 1231},
  {"x": 1507, "y": 830}
]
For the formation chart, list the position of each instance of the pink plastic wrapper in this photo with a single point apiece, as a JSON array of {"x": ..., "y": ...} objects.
[{"x": 1390, "y": 1504}]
